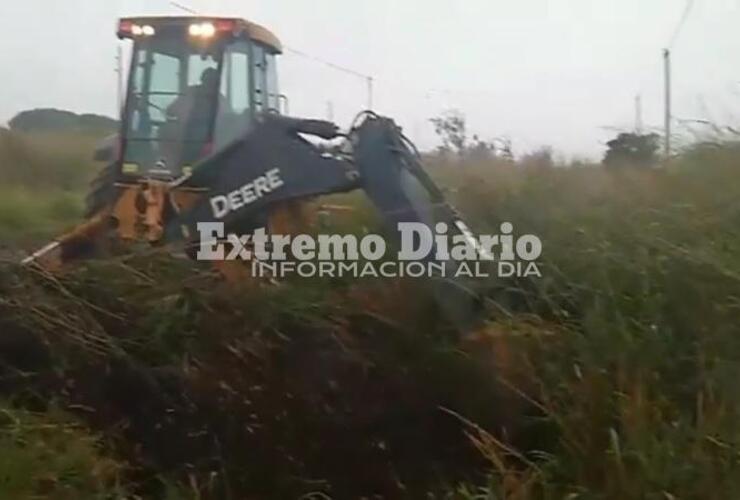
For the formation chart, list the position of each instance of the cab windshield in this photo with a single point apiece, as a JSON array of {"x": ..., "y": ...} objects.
[
  {"x": 188, "y": 99},
  {"x": 178, "y": 99}
]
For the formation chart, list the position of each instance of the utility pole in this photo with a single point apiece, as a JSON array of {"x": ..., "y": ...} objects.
[
  {"x": 119, "y": 79},
  {"x": 667, "y": 70},
  {"x": 668, "y": 115},
  {"x": 369, "y": 92},
  {"x": 330, "y": 111},
  {"x": 638, "y": 114}
]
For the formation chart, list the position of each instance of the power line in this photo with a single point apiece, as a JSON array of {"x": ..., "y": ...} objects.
[
  {"x": 185, "y": 8},
  {"x": 326, "y": 63},
  {"x": 367, "y": 78},
  {"x": 681, "y": 23},
  {"x": 297, "y": 52}
]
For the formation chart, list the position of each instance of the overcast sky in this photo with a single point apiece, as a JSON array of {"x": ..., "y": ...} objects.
[{"x": 542, "y": 72}]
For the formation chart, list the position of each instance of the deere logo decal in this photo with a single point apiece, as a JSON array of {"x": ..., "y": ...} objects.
[{"x": 222, "y": 205}]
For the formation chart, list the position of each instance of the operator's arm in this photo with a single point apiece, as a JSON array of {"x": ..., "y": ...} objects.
[{"x": 182, "y": 106}]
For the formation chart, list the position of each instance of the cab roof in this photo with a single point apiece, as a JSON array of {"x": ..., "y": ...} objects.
[{"x": 253, "y": 30}]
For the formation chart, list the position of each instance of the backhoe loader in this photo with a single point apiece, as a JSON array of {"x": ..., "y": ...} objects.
[{"x": 202, "y": 139}]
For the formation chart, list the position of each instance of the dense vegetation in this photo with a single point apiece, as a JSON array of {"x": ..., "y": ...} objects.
[{"x": 612, "y": 377}]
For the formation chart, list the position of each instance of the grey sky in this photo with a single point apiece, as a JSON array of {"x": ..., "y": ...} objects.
[{"x": 543, "y": 72}]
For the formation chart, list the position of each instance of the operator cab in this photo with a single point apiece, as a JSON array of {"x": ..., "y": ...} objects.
[{"x": 195, "y": 85}]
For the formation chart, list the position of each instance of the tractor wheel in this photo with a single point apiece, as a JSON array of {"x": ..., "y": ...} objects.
[{"x": 102, "y": 192}]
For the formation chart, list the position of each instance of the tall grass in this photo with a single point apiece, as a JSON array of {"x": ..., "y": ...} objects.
[
  {"x": 43, "y": 178},
  {"x": 51, "y": 455},
  {"x": 637, "y": 389},
  {"x": 29, "y": 216},
  {"x": 46, "y": 161}
]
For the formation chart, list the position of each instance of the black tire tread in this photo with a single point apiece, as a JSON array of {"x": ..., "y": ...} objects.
[{"x": 102, "y": 191}]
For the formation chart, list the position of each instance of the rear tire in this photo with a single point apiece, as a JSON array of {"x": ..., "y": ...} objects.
[{"x": 102, "y": 192}]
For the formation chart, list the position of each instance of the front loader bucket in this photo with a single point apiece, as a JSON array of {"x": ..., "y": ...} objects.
[{"x": 77, "y": 243}]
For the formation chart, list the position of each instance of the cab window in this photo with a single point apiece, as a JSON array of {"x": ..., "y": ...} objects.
[
  {"x": 234, "y": 111},
  {"x": 266, "y": 94},
  {"x": 258, "y": 57},
  {"x": 170, "y": 107},
  {"x": 271, "y": 76}
]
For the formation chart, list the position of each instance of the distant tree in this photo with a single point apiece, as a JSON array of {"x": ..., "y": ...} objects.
[
  {"x": 56, "y": 120},
  {"x": 90, "y": 121},
  {"x": 451, "y": 128},
  {"x": 505, "y": 149},
  {"x": 480, "y": 149},
  {"x": 43, "y": 120},
  {"x": 632, "y": 150}
]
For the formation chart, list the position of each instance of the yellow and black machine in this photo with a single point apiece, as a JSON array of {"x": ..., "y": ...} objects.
[{"x": 202, "y": 139}]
